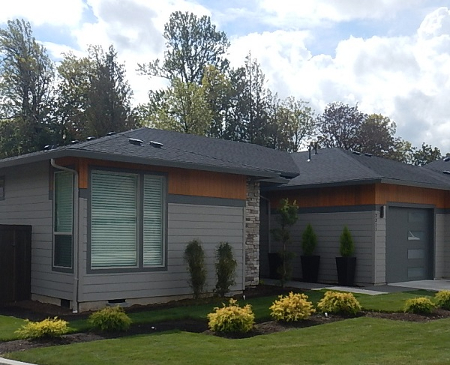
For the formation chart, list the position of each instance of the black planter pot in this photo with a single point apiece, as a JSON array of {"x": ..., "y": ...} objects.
[
  {"x": 275, "y": 263},
  {"x": 346, "y": 268},
  {"x": 310, "y": 268}
]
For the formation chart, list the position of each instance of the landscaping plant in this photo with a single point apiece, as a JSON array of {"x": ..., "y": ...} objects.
[
  {"x": 232, "y": 318},
  {"x": 420, "y": 305},
  {"x": 195, "y": 258},
  {"x": 339, "y": 303},
  {"x": 287, "y": 216},
  {"x": 110, "y": 319},
  {"x": 50, "y": 327},
  {"x": 443, "y": 299},
  {"x": 346, "y": 248},
  {"x": 225, "y": 268},
  {"x": 292, "y": 308},
  {"x": 309, "y": 240}
]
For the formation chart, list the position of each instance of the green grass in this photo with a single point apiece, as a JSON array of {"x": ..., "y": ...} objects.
[
  {"x": 7, "y": 327},
  {"x": 360, "y": 340},
  {"x": 392, "y": 302}
]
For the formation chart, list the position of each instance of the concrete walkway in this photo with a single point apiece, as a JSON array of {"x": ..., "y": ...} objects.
[{"x": 12, "y": 362}]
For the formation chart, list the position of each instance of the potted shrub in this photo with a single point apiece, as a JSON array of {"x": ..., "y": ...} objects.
[
  {"x": 310, "y": 262},
  {"x": 346, "y": 263}
]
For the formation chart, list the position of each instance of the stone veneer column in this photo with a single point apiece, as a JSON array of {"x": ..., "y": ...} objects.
[{"x": 252, "y": 234}]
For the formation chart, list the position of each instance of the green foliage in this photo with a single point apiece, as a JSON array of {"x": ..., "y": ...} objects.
[
  {"x": 420, "y": 305},
  {"x": 225, "y": 268},
  {"x": 232, "y": 318},
  {"x": 443, "y": 299},
  {"x": 341, "y": 303},
  {"x": 346, "y": 248},
  {"x": 286, "y": 217},
  {"x": 292, "y": 308},
  {"x": 50, "y": 327},
  {"x": 110, "y": 319},
  {"x": 195, "y": 258},
  {"x": 309, "y": 240}
]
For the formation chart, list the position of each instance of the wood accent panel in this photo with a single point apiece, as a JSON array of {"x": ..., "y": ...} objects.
[
  {"x": 180, "y": 181},
  {"x": 409, "y": 194},
  {"x": 380, "y": 194},
  {"x": 327, "y": 197}
]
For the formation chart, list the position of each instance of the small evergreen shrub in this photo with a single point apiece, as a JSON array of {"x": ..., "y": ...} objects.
[
  {"x": 309, "y": 240},
  {"x": 291, "y": 308},
  {"x": 195, "y": 258},
  {"x": 420, "y": 305},
  {"x": 346, "y": 248},
  {"x": 443, "y": 299},
  {"x": 231, "y": 318},
  {"x": 48, "y": 328},
  {"x": 110, "y": 319},
  {"x": 339, "y": 303},
  {"x": 225, "y": 268}
]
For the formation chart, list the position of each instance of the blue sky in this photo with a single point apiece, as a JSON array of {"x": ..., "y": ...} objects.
[{"x": 390, "y": 56}]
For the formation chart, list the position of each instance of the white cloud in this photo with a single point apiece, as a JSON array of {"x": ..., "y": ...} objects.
[{"x": 55, "y": 12}]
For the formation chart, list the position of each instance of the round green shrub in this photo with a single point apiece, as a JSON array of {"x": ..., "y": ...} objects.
[
  {"x": 339, "y": 303},
  {"x": 291, "y": 308},
  {"x": 443, "y": 299},
  {"x": 420, "y": 305},
  {"x": 232, "y": 318},
  {"x": 50, "y": 327},
  {"x": 110, "y": 319}
]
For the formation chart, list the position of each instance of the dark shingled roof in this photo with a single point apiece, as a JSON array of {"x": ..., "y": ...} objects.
[
  {"x": 177, "y": 150},
  {"x": 335, "y": 166}
]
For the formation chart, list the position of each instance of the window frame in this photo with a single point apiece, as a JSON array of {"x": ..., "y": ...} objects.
[
  {"x": 139, "y": 267},
  {"x": 55, "y": 233}
]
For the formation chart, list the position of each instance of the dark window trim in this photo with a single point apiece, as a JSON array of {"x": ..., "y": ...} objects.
[
  {"x": 140, "y": 266},
  {"x": 3, "y": 186}
]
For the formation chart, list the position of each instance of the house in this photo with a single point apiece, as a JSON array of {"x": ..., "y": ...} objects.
[
  {"x": 110, "y": 217},
  {"x": 398, "y": 215}
]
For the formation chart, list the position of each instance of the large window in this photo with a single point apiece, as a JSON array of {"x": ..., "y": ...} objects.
[
  {"x": 127, "y": 220},
  {"x": 63, "y": 219}
]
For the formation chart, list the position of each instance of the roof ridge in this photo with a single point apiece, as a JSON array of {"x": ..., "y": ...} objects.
[{"x": 348, "y": 155}]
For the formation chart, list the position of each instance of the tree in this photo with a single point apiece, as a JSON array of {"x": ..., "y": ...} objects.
[
  {"x": 94, "y": 97},
  {"x": 376, "y": 136},
  {"x": 425, "y": 154},
  {"x": 26, "y": 77},
  {"x": 339, "y": 126},
  {"x": 192, "y": 44}
]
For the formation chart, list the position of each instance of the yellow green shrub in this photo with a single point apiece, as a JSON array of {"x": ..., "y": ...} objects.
[
  {"x": 110, "y": 319},
  {"x": 291, "y": 308},
  {"x": 232, "y": 318},
  {"x": 339, "y": 303},
  {"x": 443, "y": 299},
  {"x": 420, "y": 305},
  {"x": 50, "y": 327}
]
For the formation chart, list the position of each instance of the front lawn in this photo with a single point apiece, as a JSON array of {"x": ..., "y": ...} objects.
[{"x": 360, "y": 340}]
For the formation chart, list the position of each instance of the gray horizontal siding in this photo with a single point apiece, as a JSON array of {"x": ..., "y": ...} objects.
[
  {"x": 328, "y": 227},
  {"x": 210, "y": 224},
  {"x": 27, "y": 202}
]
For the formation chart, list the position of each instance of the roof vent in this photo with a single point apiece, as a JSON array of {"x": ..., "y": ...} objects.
[
  {"x": 135, "y": 141},
  {"x": 356, "y": 152},
  {"x": 110, "y": 133},
  {"x": 446, "y": 172},
  {"x": 447, "y": 159},
  {"x": 75, "y": 141},
  {"x": 48, "y": 147},
  {"x": 90, "y": 138},
  {"x": 368, "y": 154},
  {"x": 156, "y": 144}
]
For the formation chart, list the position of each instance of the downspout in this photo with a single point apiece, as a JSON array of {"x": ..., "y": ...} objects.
[{"x": 75, "y": 233}]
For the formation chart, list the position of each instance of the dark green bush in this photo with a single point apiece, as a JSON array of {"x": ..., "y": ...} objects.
[
  {"x": 110, "y": 319},
  {"x": 225, "y": 268},
  {"x": 347, "y": 247},
  {"x": 309, "y": 240},
  {"x": 195, "y": 258}
]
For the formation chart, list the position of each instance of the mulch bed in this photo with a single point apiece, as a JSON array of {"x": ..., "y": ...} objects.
[{"x": 36, "y": 311}]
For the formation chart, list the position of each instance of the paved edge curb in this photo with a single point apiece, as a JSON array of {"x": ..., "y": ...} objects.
[{"x": 4, "y": 361}]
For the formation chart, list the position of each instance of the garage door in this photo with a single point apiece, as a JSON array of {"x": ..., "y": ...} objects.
[{"x": 409, "y": 244}]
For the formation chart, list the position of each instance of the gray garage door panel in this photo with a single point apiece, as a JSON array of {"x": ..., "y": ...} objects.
[{"x": 409, "y": 244}]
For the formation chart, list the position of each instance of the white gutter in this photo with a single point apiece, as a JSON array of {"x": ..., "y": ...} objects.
[{"x": 75, "y": 233}]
